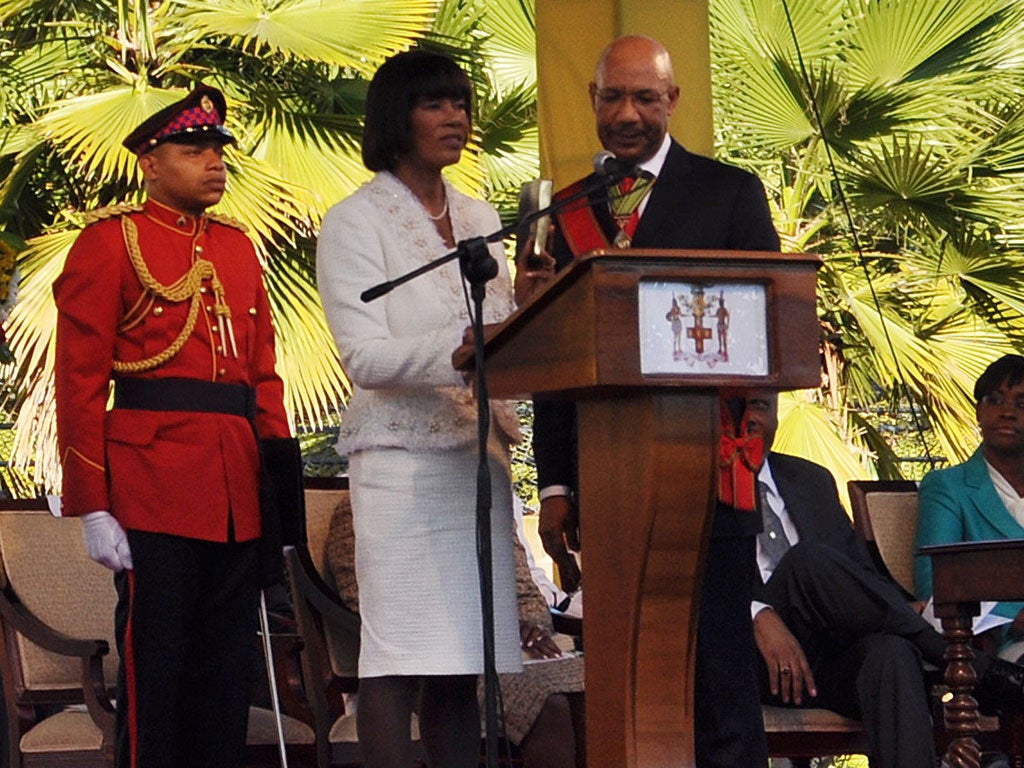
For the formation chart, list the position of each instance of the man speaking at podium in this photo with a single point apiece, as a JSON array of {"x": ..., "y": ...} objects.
[{"x": 678, "y": 200}]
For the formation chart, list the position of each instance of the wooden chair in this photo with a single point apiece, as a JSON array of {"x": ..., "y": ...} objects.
[
  {"x": 329, "y": 632},
  {"x": 57, "y": 651},
  {"x": 884, "y": 514},
  {"x": 316, "y": 605},
  {"x": 802, "y": 733}
]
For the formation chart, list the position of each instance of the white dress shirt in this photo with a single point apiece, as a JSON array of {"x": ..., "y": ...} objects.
[{"x": 779, "y": 507}]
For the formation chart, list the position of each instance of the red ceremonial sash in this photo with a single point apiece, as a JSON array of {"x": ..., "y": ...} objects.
[{"x": 578, "y": 224}]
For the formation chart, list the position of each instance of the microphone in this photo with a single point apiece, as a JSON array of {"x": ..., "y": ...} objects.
[
  {"x": 607, "y": 164},
  {"x": 609, "y": 171}
]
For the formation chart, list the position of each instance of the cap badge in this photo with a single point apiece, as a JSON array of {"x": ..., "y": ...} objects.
[{"x": 206, "y": 103}]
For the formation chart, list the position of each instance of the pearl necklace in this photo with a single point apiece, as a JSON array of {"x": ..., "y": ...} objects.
[{"x": 441, "y": 215}]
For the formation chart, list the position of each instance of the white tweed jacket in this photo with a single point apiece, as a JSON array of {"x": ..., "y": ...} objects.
[{"x": 397, "y": 349}]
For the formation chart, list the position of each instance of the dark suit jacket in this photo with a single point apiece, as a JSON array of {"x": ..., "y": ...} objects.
[
  {"x": 812, "y": 503},
  {"x": 696, "y": 203}
]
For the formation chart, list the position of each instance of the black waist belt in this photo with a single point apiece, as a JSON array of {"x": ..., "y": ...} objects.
[{"x": 185, "y": 395}]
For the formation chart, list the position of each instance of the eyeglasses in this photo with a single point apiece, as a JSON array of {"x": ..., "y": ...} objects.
[
  {"x": 612, "y": 97},
  {"x": 998, "y": 400}
]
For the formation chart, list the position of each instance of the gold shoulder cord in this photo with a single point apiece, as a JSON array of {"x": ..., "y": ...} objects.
[{"x": 185, "y": 287}]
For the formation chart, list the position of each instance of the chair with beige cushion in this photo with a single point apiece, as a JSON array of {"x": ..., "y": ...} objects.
[
  {"x": 329, "y": 631},
  {"x": 885, "y": 515},
  {"x": 57, "y": 655},
  {"x": 58, "y": 658},
  {"x": 315, "y": 606}
]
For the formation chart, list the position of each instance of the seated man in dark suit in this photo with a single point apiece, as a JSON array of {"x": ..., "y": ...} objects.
[{"x": 832, "y": 631}]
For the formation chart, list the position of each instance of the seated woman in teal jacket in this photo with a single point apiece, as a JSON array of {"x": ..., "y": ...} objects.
[{"x": 983, "y": 498}]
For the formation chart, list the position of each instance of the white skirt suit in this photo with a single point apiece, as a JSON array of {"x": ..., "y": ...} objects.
[{"x": 410, "y": 434}]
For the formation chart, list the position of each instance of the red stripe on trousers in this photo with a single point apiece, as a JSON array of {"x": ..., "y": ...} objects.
[{"x": 129, "y": 673}]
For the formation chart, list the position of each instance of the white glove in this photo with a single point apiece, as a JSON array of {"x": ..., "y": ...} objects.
[{"x": 105, "y": 541}]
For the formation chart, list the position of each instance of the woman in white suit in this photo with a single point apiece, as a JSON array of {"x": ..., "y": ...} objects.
[{"x": 410, "y": 427}]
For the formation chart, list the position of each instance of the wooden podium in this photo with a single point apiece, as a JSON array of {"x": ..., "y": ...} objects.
[{"x": 603, "y": 333}]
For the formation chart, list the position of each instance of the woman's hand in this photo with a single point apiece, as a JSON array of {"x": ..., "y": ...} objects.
[
  {"x": 468, "y": 340},
  {"x": 537, "y": 641}
]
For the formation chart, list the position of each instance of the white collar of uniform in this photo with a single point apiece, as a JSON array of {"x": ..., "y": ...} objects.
[{"x": 654, "y": 165}]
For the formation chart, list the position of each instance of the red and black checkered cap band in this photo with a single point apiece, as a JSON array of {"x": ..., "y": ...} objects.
[
  {"x": 195, "y": 119},
  {"x": 200, "y": 115}
]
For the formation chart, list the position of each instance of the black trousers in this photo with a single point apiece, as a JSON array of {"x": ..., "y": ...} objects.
[
  {"x": 865, "y": 645},
  {"x": 727, "y": 716},
  {"x": 185, "y": 625}
]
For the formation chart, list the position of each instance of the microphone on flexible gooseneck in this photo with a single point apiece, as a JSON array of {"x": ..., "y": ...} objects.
[
  {"x": 607, "y": 164},
  {"x": 609, "y": 171}
]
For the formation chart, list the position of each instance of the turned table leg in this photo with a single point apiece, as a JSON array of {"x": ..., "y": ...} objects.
[{"x": 961, "y": 708}]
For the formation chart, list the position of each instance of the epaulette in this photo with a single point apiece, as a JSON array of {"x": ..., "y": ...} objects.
[
  {"x": 110, "y": 211},
  {"x": 227, "y": 221}
]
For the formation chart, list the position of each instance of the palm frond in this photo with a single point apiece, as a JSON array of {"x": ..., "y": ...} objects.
[
  {"x": 88, "y": 129},
  {"x": 510, "y": 141},
  {"x": 318, "y": 154},
  {"x": 762, "y": 28},
  {"x": 307, "y": 357},
  {"x": 918, "y": 39},
  {"x": 766, "y": 111},
  {"x": 333, "y": 31},
  {"x": 807, "y": 429},
  {"x": 906, "y": 179},
  {"x": 1003, "y": 152},
  {"x": 326, "y": 175},
  {"x": 35, "y": 75},
  {"x": 32, "y": 322},
  {"x": 259, "y": 198},
  {"x": 511, "y": 46},
  {"x": 938, "y": 364}
]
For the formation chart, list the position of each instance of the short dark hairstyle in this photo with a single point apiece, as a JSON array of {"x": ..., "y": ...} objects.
[
  {"x": 1008, "y": 369},
  {"x": 397, "y": 86}
]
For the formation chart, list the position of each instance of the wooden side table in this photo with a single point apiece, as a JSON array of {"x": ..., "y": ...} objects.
[{"x": 963, "y": 575}]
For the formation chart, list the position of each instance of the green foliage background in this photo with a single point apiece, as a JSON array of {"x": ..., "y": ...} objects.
[{"x": 904, "y": 171}]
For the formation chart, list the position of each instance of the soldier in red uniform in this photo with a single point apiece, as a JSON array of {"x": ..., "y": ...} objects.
[{"x": 168, "y": 302}]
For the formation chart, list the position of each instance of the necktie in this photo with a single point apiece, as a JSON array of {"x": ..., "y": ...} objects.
[
  {"x": 772, "y": 540},
  {"x": 625, "y": 205}
]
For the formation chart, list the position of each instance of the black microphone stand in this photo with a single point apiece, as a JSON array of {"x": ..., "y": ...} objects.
[
  {"x": 478, "y": 267},
  {"x": 597, "y": 183}
]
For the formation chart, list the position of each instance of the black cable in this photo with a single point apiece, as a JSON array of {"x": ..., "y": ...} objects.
[{"x": 861, "y": 258}]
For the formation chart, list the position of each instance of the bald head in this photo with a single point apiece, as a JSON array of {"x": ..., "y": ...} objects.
[
  {"x": 633, "y": 95},
  {"x": 634, "y": 50}
]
